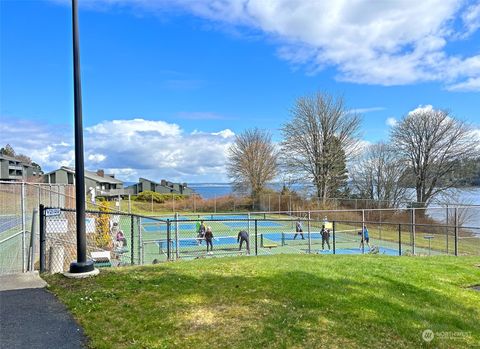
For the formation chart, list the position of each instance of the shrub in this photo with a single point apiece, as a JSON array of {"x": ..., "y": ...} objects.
[
  {"x": 149, "y": 196},
  {"x": 102, "y": 225}
]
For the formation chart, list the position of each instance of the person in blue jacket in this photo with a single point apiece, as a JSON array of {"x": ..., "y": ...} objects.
[{"x": 365, "y": 237}]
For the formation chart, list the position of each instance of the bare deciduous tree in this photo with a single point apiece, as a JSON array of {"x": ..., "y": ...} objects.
[
  {"x": 321, "y": 133},
  {"x": 433, "y": 142},
  {"x": 379, "y": 174},
  {"x": 252, "y": 161}
]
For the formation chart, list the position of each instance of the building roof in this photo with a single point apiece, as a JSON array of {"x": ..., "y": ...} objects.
[
  {"x": 91, "y": 175},
  {"x": 11, "y": 158}
]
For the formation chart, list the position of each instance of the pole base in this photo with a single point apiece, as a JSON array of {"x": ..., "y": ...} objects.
[
  {"x": 81, "y": 267},
  {"x": 82, "y": 275}
]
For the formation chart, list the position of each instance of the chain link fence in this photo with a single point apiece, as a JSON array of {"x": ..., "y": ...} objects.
[
  {"x": 17, "y": 203},
  {"x": 114, "y": 239},
  {"x": 117, "y": 239},
  {"x": 451, "y": 229}
]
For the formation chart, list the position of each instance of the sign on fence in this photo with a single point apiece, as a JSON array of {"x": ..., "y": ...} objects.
[{"x": 49, "y": 212}]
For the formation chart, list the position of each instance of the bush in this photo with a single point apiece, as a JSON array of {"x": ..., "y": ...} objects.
[
  {"x": 102, "y": 222},
  {"x": 148, "y": 196}
]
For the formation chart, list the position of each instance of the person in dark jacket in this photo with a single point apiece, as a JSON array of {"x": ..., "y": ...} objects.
[
  {"x": 209, "y": 238},
  {"x": 325, "y": 237},
  {"x": 243, "y": 236},
  {"x": 200, "y": 232}
]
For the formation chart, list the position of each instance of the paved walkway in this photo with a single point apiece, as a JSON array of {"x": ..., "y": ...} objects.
[{"x": 32, "y": 317}]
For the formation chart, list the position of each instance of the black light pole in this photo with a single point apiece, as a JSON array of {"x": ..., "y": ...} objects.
[{"x": 81, "y": 265}]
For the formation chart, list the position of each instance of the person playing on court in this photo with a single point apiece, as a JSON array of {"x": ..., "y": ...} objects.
[
  {"x": 120, "y": 238},
  {"x": 201, "y": 232},
  {"x": 243, "y": 236},
  {"x": 325, "y": 237},
  {"x": 298, "y": 230},
  {"x": 209, "y": 238},
  {"x": 365, "y": 237}
]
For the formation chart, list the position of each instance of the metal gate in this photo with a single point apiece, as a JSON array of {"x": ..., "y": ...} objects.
[{"x": 113, "y": 238}]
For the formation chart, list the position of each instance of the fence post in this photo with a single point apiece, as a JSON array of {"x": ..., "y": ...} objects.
[
  {"x": 413, "y": 230},
  {"x": 42, "y": 238},
  {"x": 24, "y": 267},
  {"x": 309, "y": 235},
  {"x": 380, "y": 231},
  {"x": 132, "y": 240},
  {"x": 333, "y": 227},
  {"x": 39, "y": 195},
  {"x": 168, "y": 239},
  {"x": 456, "y": 230},
  {"x": 31, "y": 250},
  {"x": 446, "y": 228},
  {"x": 248, "y": 216},
  {"x": 363, "y": 231},
  {"x": 256, "y": 238},
  {"x": 176, "y": 235},
  {"x": 140, "y": 241},
  {"x": 399, "y": 239}
]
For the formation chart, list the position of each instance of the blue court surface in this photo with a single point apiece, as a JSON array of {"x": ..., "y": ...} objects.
[
  {"x": 162, "y": 227},
  {"x": 286, "y": 237},
  {"x": 223, "y": 240},
  {"x": 225, "y": 217},
  {"x": 261, "y": 224},
  {"x": 10, "y": 221},
  {"x": 381, "y": 250}
]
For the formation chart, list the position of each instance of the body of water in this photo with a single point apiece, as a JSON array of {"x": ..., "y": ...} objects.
[
  {"x": 211, "y": 190},
  {"x": 470, "y": 196}
]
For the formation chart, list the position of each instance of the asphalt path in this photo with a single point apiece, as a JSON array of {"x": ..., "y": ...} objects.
[{"x": 35, "y": 318}]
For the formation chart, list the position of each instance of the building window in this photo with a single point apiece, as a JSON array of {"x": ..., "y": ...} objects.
[{"x": 70, "y": 178}]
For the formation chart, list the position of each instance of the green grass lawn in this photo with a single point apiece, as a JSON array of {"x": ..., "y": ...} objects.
[{"x": 282, "y": 301}]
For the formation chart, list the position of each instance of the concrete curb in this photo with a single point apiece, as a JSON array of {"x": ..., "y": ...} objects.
[{"x": 21, "y": 281}]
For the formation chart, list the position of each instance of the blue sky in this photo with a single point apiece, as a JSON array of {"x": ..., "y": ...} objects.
[{"x": 166, "y": 84}]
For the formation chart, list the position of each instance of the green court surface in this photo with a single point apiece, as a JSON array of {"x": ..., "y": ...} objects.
[{"x": 272, "y": 237}]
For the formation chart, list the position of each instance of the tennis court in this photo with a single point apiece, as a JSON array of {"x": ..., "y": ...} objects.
[
  {"x": 381, "y": 250},
  {"x": 8, "y": 222},
  {"x": 162, "y": 227},
  {"x": 245, "y": 224}
]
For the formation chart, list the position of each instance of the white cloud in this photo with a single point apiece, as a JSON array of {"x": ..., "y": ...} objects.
[
  {"x": 134, "y": 127},
  {"x": 391, "y": 122},
  {"x": 471, "y": 84},
  {"x": 371, "y": 42},
  {"x": 128, "y": 148},
  {"x": 421, "y": 109},
  {"x": 471, "y": 19},
  {"x": 96, "y": 158},
  {"x": 366, "y": 110},
  {"x": 227, "y": 133}
]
